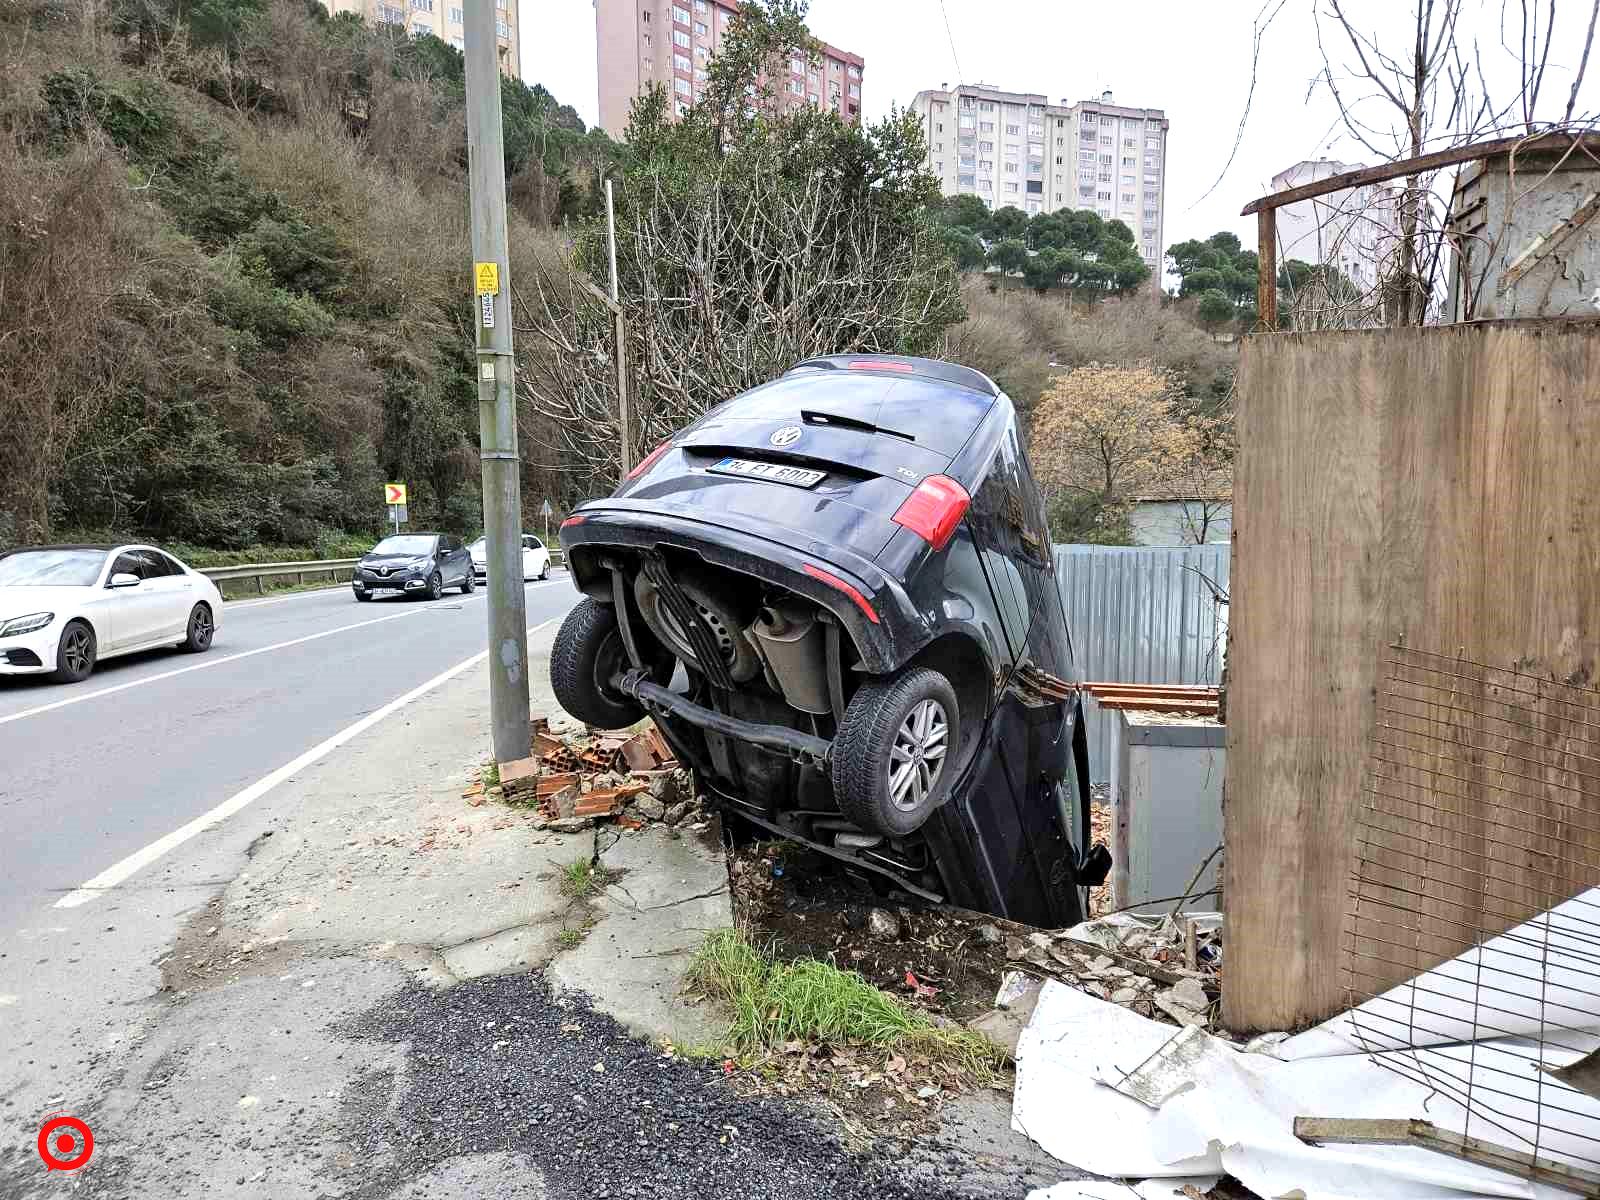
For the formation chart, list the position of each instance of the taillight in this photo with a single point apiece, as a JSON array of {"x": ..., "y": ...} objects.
[
  {"x": 835, "y": 582},
  {"x": 870, "y": 364},
  {"x": 649, "y": 460},
  {"x": 933, "y": 511},
  {"x": 575, "y": 519}
]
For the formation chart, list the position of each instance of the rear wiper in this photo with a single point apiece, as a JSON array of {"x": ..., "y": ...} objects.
[{"x": 822, "y": 418}]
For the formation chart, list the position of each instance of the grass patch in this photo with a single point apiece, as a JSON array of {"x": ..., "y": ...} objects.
[
  {"x": 811, "y": 1001},
  {"x": 568, "y": 939},
  {"x": 490, "y": 775},
  {"x": 581, "y": 878}
]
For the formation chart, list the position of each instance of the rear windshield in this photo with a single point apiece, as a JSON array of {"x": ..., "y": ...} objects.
[
  {"x": 406, "y": 543},
  {"x": 937, "y": 415},
  {"x": 51, "y": 568}
]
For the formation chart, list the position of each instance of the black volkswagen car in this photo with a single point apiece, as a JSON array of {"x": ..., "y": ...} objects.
[
  {"x": 852, "y": 568},
  {"x": 413, "y": 564}
]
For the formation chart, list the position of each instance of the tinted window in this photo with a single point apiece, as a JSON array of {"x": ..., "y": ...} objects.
[
  {"x": 128, "y": 564},
  {"x": 1008, "y": 515},
  {"x": 154, "y": 564},
  {"x": 533, "y": 543}
]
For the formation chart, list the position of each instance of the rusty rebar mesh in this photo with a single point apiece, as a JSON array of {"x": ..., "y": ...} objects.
[{"x": 1472, "y": 949}]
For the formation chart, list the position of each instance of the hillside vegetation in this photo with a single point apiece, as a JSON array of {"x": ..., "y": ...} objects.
[{"x": 233, "y": 272}]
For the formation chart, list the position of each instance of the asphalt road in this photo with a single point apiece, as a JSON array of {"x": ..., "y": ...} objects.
[{"x": 94, "y": 772}]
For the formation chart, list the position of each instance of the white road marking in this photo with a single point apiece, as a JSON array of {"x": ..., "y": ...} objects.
[
  {"x": 201, "y": 666},
  {"x": 140, "y": 859}
]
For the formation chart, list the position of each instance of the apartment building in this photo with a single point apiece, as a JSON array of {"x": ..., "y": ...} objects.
[
  {"x": 1016, "y": 148},
  {"x": 671, "y": 42},
  {"x": 1354, "y": 229},
  {"x": 444, "y": 19}
]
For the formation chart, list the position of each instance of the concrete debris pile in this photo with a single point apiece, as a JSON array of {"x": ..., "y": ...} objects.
[
  {"x": 1167, "y": 968},
  {"x": 578, "y": 776}
]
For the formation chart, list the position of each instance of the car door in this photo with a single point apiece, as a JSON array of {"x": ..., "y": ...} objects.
[
  {"x": 136, "y": 610},
  {"x": 175, "y": 588},
  {"x": 451, "y": 569},
  {"x": 538, "y": 556}
]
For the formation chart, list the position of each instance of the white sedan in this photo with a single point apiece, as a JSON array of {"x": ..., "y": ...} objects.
[
  {"x": 64, "y": 608},
  {"x": 535, "y": 558}
]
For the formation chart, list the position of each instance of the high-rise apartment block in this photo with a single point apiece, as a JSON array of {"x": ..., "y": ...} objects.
[
  {"x": 444, "y": 19},
  {"x": 1015, "y": 148},
  {"x": 671, "y": 42}
]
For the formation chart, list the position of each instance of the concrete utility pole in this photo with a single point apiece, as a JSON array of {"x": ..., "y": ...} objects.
[
  {"x": 619, "y": 331},
  {"x": 497, "y": 409}
]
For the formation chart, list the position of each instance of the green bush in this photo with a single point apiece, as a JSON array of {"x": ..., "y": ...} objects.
[
  {"x": 271, "y": 315},
  {"x": 137, "y": 115}
]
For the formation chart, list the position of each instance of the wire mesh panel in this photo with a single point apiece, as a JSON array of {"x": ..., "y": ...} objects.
[{"x": 1472, "y": 949}]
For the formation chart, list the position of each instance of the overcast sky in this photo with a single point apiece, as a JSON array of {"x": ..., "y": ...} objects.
[{"x": 1190, "y": 59}]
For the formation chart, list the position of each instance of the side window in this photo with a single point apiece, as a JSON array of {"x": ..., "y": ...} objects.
[
  {"x": 156, "y": 564},
  {"x": 127, "y": 564}
]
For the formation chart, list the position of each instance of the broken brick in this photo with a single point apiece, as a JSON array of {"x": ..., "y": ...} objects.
[
  {"x": 549, "y": 785},
  {"x": 600, "y": 803},
  {"x": 519, "y": 776},
  {"x": 639, "y": 753}
]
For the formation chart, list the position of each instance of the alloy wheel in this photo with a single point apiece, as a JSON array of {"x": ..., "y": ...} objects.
[
  {"x": 201, "y": 628},
  {"x": 917, "y": 756},
  {"x": 75, "y": 649}
]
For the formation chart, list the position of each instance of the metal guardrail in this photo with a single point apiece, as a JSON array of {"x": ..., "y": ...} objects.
[
  {"x": 334, "y": 568},
  {"x": 263, "y": 571}
]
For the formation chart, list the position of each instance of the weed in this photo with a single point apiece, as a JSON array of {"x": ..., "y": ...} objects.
[
  {"x": 580, "y": 878},
  {"x": 806, "y": 1000},
  {"x": 568, "y": 939},
  {"x": 490, "y": 775}
]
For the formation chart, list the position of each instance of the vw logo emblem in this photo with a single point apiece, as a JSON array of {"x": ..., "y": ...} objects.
[{"x": 787, "y": 436}]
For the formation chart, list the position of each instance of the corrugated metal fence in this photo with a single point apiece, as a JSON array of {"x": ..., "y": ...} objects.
[{"x": 1142, "y": 616}]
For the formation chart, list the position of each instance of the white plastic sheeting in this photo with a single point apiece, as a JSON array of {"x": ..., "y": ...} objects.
[{"x": 1209, "y": 1108}]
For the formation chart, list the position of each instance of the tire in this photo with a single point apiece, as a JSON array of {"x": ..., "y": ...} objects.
[
  {"x": 891, "y": 725},
  {"x": 202, "y": 628},
  {"x": 435, "y": 586},
  {"x": 588, "y": 650},
  {"x": 468, "y": 583},
  {"x": 544, "y": 571},
  {"x": 75, "y": 653}
]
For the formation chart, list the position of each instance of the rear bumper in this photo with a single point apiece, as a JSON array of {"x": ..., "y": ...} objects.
[{"x": 885, "y": 640}]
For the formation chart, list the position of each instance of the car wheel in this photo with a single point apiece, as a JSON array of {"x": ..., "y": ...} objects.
[
  {"x": 544, "y": 571},
  {"x": 201, "y": 630},
  {"x": 75, "y": 653},
  {"x": 468, "y": 583},
  {"x": 435, "y": 586},
  {"x": 588, "y": 651},
  {"x": 893, "y": 757}
]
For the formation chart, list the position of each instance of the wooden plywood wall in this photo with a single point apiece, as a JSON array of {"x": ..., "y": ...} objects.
[{"x": 1437, "y": 488}]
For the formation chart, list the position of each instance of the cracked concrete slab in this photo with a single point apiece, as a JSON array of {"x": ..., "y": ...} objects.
[
  {"x": 648, "y": 925},
  {"x": 502, "y": 1175},
  {"x": 238, "y": 1091}
]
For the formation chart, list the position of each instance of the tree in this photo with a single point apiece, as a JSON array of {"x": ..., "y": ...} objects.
[
  {"x": 748, "y": 238},
  {"x": 1008, "y": 222},
  {"x": 964, "y": 211},
  {"x": 1102, "y": 429},
  {"x": 1428, "y": 90},
  {"x": 1043, "y": 269},
  {"x": 963, "y": 246},
  {"x": 1009, "y": 255},
  {"x": 1215, "y": 309}
]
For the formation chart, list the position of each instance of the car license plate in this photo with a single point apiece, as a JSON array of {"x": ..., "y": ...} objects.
[
  {"x": 774, "y": 472},
  {"x": 377, "y": 589}
]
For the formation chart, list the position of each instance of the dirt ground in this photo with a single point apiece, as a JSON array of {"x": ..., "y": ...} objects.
[{"x": 945, "y": 962}]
